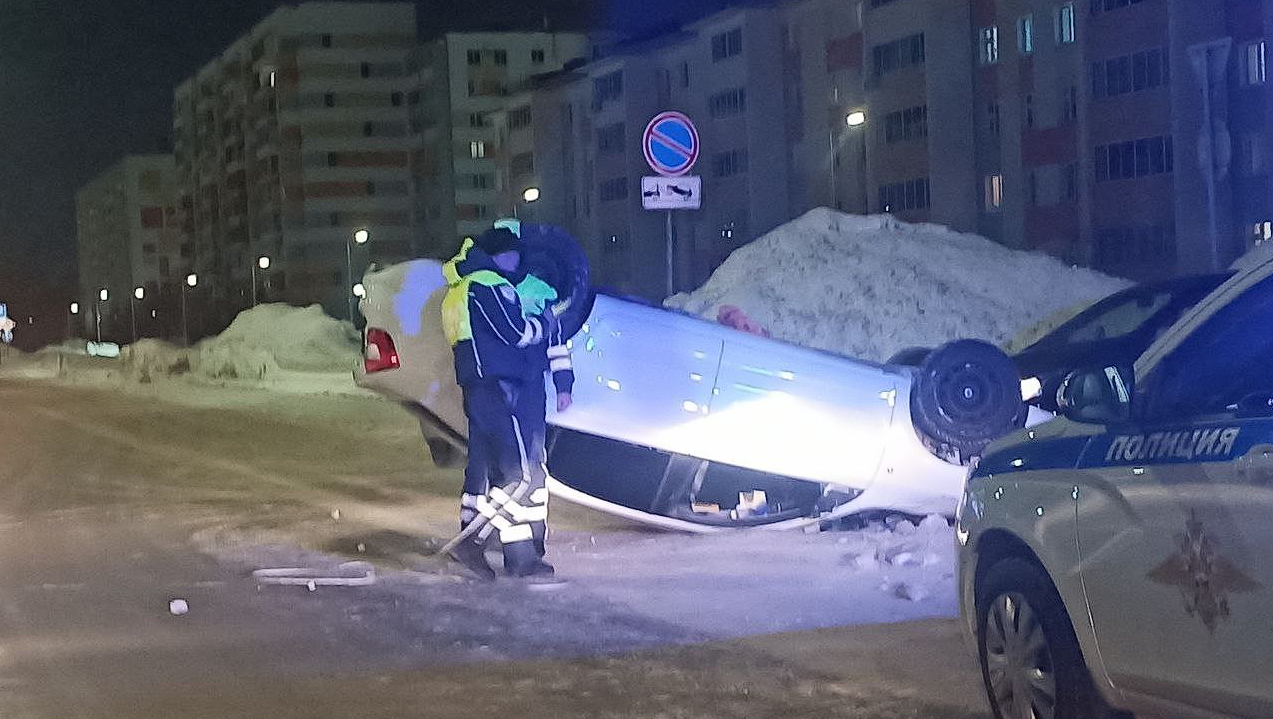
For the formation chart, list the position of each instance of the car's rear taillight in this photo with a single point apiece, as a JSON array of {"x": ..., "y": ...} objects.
[{"x": 380, "y": 354}]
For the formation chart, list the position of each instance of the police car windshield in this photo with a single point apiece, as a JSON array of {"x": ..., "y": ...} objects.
[
  {"x": 1222, "y": 363},
  {"x": 1131, "y": 311}
]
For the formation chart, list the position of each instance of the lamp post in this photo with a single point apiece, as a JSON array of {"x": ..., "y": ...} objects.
[
  {"x": 191, "y": 280},
  {"x": 360, "y": 238},
  {"x": 102, "y": 295},
  {"x": 857, "y": 119},
  {"x": 529, "y": 196},
  {"x": 264, "y": 263},
  {"x": 74, "y": 310},
  {"x": 139, "y": 294}
]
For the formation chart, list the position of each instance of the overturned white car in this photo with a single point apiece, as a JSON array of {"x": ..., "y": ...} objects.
[{"x": 687, "y": 424}]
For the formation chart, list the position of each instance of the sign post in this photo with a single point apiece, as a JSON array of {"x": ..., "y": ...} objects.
[{"x": 671, "y": 148}]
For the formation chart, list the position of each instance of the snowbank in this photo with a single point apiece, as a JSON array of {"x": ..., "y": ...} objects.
[
  {"x": 280, "y": 336},
  {"x": 276, "y": 344},
  {"x": 16, "y": 364},
  {"x": 1258, "y": 255},
  {"x": 868, "y": 286}
]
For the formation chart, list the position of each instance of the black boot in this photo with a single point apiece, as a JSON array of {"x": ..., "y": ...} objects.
[
  {"x": 470, "y": 553},
  {"x": 520, "y": 560},
  {"x": 539, "y": 532}
]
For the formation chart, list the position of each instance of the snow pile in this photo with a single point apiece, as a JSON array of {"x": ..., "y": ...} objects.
[
  {"x": 1256, "y": 256},
  {"x": 16, "y": 364},
  {"x": 280, "y": 336},
  {"x": 269, "y": 343},
  {"x": 870, "y": 286},
  {"x": 151, "y": 359}
]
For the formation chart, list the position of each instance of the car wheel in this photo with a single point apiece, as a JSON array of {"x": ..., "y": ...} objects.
[
  {"x": 555, "y": 257},
  {"x": 910, "y": 356},
  {"x": 966, "y": 395},
  {"x": 1031, "y": 663}
]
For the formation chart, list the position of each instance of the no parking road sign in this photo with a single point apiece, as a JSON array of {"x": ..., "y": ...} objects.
[{"x": 671, "y": 144}]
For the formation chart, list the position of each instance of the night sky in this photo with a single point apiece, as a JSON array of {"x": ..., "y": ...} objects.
[{"x": 84, "y": 82}]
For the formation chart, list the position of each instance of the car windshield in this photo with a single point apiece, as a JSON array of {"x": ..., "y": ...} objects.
[{"x": 1129, "y": 312}]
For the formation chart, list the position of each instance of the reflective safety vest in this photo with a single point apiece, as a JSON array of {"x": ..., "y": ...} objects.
[
  {"x": 456, "y": 323},
  {"x": 534, "y": 294}
]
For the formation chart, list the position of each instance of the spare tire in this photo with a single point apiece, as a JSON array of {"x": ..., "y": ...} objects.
[
  {"x": 910, "y": 356},
  {"x": 966, "y": 394},
  {"x": 552, "y": 255}
]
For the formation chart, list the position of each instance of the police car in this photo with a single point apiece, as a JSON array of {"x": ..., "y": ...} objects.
[{"x": 1120, "y": 557}]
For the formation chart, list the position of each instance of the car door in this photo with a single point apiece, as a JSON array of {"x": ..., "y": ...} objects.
[
  {"x": 643, "y": 375},
  {"x": 1175, "y": 521},
  {"x": 796, "y": 412}
]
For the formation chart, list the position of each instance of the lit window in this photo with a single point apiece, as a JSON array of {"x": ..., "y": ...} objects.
[
  {"x": 1254, "y": 59},
  {"x": 989, "y": 45},
  {"x": 1263, "y": 232},
  {"x": 994, "y": 192},
  {"x": 477, "y": 149},
  {"x": 1065, "y": 34},
  {"x": 1025, "y": 34}
]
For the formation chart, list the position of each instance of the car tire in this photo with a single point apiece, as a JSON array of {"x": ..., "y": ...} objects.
[
  {"x": 966, "y": 395},
  {"x": 552, "y": 255},
  {"x": 910, "y": 356},
  {"x": 1026, "y": 645}
]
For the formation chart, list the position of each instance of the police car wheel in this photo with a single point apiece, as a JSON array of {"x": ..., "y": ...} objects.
[
  {"x": 966, "y": 394},
  {"x": 552, "y": 255},
  {"x": 1031, "y": 664}
]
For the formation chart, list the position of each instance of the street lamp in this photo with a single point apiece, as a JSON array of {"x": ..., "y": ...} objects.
[
  {"x": 191, "y": 280},
  {"x": 139, "y": 293},
  {"x": 360, "y": 238},
  {"x": 856, "y": 119},
  {"x": 70, "y": 319},
  {"x": 102, "y": 296},
  {"x": 359, "y": 291},
  {"x": 529, "y": 195},
  {"x": 264, "y": 263}
]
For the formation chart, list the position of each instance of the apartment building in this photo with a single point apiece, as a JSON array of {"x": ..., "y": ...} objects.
[
  {"x": 294, "y": 140},
  {"x": 128, "y": 236},
  {"x": 769, "y": 88},
  {"x": 464, "y": 86}
]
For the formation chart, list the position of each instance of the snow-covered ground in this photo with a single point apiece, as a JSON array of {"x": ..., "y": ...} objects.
[{"x": 870, "y": 286}]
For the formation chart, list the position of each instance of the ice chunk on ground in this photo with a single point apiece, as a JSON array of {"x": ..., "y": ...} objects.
[{"x": 868, "y": 286}]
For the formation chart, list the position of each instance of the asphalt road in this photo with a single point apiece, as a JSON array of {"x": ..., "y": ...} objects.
[{"x": 110, "y": 505}]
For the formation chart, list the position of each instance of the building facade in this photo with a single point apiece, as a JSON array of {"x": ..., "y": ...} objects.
[
  {"x": 287, "y": 146},
  {"x": 1073, "y": 128},
  {"x": 464, "y": 168},
  {"x": 128, "y": 236},
  {"x": 768, "y": 87}
]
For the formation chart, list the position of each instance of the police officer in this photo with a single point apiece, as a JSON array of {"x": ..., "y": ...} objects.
[{"x": 504, "y": 336}]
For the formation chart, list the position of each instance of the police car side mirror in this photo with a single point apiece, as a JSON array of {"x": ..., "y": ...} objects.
[
  {"x": 1101, "y": 395},
  {"x": 1259, "y": 404}
]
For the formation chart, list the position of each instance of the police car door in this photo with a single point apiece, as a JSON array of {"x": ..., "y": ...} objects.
[{"x": 1177, "y": 537}]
